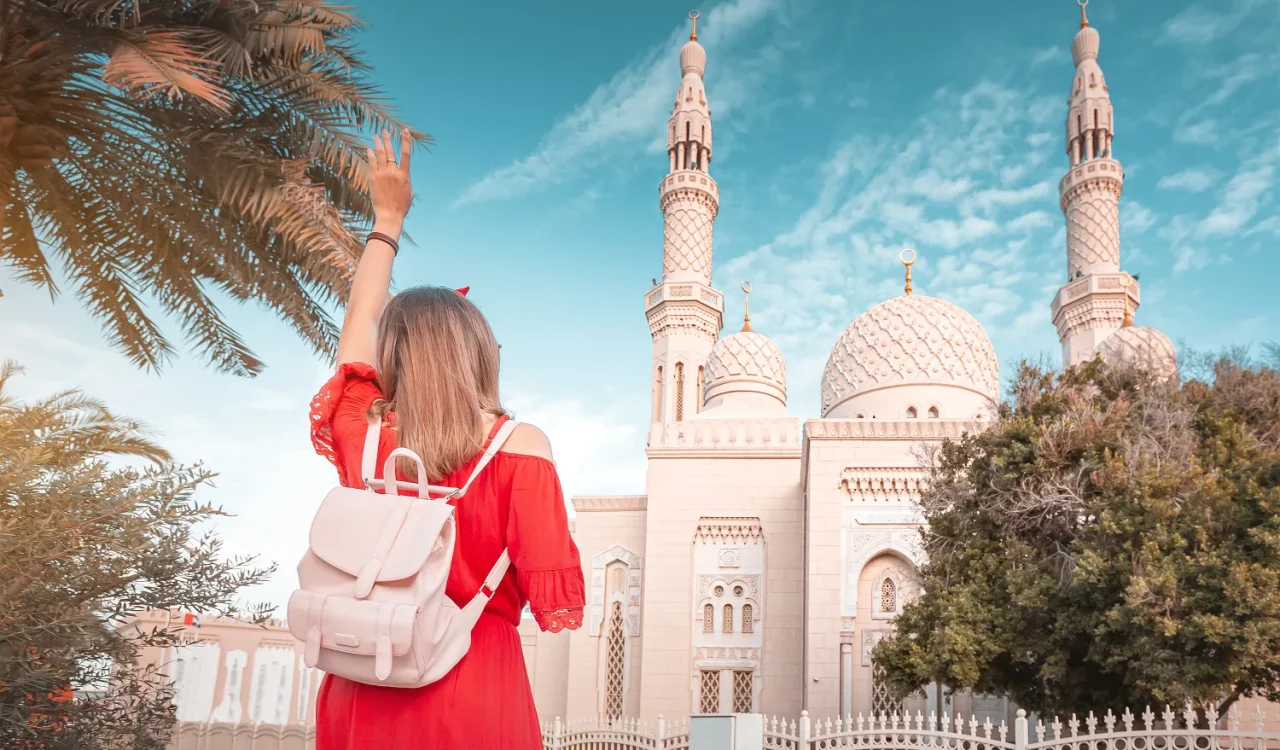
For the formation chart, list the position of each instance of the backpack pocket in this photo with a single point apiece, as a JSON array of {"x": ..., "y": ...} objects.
[{"x": 379, "y": 631}]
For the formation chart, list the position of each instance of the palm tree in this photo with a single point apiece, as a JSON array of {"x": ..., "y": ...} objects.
[{"x": 159, "y": 151}]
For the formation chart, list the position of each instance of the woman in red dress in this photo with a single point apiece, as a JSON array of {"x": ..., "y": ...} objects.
[{"x": 427, "y": 362}]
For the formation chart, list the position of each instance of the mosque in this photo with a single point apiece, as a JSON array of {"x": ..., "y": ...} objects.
[{"x": 769, "y": 554}]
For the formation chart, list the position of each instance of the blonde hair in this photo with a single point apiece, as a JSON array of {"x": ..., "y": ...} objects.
[{"x": 438, "y": 368}]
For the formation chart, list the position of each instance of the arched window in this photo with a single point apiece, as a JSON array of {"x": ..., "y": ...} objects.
[
  {"x": 888, "y": 596},
  {"x": 709, "y": 619},
  {"x": 728, "y": 618},
  {"x": 911, "y": 412},
  {"x": 701, "y": 386},
  {"x": 933, "y": 412},
  {"x": 679, "y": 391},
  {"x": 747, "y": 625},
  {"x": 614, "y": 666},
  {"x": 657, "y": 396}
]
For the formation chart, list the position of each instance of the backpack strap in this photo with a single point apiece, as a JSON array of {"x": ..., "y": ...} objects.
[
  {"x": 491, "y": 450},
  {"x": 370, "y": 455}
]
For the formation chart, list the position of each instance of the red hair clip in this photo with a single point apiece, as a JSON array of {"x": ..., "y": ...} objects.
[{"x": 463, "y": 290}]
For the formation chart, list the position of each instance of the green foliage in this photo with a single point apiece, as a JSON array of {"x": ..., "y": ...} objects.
[
  {"x": 159, "y": 151},
  {"x": 87, "y": 539},
  {"x": 1110, "y": 541}
]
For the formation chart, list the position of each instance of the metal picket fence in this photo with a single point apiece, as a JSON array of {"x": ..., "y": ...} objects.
[{"x": 1189, "y": 729}]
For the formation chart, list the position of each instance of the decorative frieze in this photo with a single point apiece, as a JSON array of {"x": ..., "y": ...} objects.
[
  {"x": 729, "y": 531},
  {"x": 883, "y": 484},
  {"x": 609, "y": 503},
  {"x": 890, "y": 429},
  {"x": 720, "y": 435}
]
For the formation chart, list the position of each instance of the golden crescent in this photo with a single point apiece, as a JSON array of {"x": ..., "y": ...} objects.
[
  {"x": 907, "y": 256},
  {"x": 746, "y": 287},
  {"x": 693, "y": 14}
]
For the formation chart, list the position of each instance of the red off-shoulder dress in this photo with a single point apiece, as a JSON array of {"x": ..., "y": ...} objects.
[{"x": 516, "y": 503}]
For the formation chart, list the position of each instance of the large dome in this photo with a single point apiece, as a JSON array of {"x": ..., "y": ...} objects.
[
  {"x": 1141, "y": 346},
  {"x": 746, "y": 369},
  {"x": 911, "y": 341}
]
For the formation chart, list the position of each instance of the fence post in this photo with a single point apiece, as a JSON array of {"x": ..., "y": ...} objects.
[
  {"x": 557, "y": 730},
  {"x": 802, "y": 739},
  {"x": 1020, "y": 730},
  {"x": 662, "y": 732}
]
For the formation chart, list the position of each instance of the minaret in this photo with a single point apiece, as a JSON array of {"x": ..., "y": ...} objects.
[
  {"x": 1091, "y": 304},
  {"x": 685, "y": 313}
]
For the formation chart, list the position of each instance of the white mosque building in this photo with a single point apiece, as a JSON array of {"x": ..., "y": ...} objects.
[{"x": 769, "y": 554}]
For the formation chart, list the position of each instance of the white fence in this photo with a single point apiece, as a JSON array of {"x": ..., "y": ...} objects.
[{"x": 1185, "y": 730}]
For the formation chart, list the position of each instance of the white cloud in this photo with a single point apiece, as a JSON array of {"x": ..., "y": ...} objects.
[
  {"x": 1135, "y": 217},
  {"x": 938, "y": 185},
  {"x": 1048, "y": 56},
  {"x": 1194, "y": 180},
  {"x": 1240, "y": 202},
  {"x": 626, "y": 112},
  {"x": 1202, "y": 133},
  {"x": 1200, "y": 24}
]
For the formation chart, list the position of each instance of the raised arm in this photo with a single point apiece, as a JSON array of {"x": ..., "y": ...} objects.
[{"x": 392, "y": 194}]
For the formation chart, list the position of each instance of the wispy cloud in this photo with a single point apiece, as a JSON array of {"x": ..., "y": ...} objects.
[
  {"x": 939, "y": 186},
  {"x": 625, "y": 113},
  {"x": 1194, "y": 180},
  {"x": 1048, "y": 56},
  {"x": 1203, "y": 23},
  {"x": 1240, "y": 201}
]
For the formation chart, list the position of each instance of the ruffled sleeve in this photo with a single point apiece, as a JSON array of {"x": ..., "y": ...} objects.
[
  {"x": 548, "y": 567},
  {"x": 339, "y": 412}
]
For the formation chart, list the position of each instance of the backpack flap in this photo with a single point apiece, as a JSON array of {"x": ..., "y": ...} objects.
[
  {"x": 351, "y": 524},
  {"x": 364, "y": 628}
]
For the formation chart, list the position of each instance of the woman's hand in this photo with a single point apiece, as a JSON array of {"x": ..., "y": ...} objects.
[{"x": 389, "y": 185}]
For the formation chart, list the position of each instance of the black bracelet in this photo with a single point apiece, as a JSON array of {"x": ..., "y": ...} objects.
[{"x": 395, "y": 246}]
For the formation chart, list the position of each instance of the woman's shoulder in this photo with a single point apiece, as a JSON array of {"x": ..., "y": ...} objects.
[{"x": 528, "y": 440}]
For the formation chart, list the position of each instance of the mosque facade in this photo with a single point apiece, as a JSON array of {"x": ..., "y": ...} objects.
[{"x": 769, "y": 554}]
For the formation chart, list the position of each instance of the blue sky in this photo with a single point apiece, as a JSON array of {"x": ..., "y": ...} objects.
[{"x": 844, "y": 131}]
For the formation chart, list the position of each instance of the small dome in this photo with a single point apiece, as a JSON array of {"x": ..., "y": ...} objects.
[
  {"x": 693, "y": 59},
  {"x": 1142, "y": 346},
  {"x": 911, "y": 341},
  {"x": 1085, "y": 45},
  {"x": 746, "y": 370}
]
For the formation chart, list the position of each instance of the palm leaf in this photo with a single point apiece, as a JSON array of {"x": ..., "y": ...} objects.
[{"x": 156, "y": 60}]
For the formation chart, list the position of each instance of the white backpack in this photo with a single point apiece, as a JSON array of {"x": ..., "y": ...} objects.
[{"x": 371, "y": 606}]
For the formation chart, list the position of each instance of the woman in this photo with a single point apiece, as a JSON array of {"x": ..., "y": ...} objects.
[{"x": 426, "y": 362}]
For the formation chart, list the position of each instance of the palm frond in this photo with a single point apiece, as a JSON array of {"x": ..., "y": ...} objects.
[{"x": 156, "y": 60}]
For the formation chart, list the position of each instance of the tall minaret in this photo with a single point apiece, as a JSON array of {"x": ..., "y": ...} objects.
[
  {"x": 684, "y": 311},
  {"x": 1091, "y": 305}
]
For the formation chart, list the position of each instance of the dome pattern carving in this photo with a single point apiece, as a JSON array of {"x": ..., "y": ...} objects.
[
  {"x": 910, "y": 339},
  {"x": 746, "y": 355},
  {"x": 1141, "y": 346}
]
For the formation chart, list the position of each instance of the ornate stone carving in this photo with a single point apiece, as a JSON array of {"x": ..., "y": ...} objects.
[
  {"x": 752, "y": 436},
  {"x": 608, "y": 503},
  {"x": 869, "y": 640},
  {"x": 632, "y": 579},
  {"x": 727, "y": 653},
  {"x": 885, "y": 429},
  {"x": 687, "y": 237},
  {"x": 883, "y": 485},
  {"x": 747, "y": 356},
  {"x": 910, "y": 339},
  {"x": 1141, "y": 346},
  {"x": 728, "y": 531},
  {"x": 729, "y": 558},
  {"x": 1093, "y": 232}
]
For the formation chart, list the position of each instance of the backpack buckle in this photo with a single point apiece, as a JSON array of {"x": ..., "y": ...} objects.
[{"x": 485, "y": 591}]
